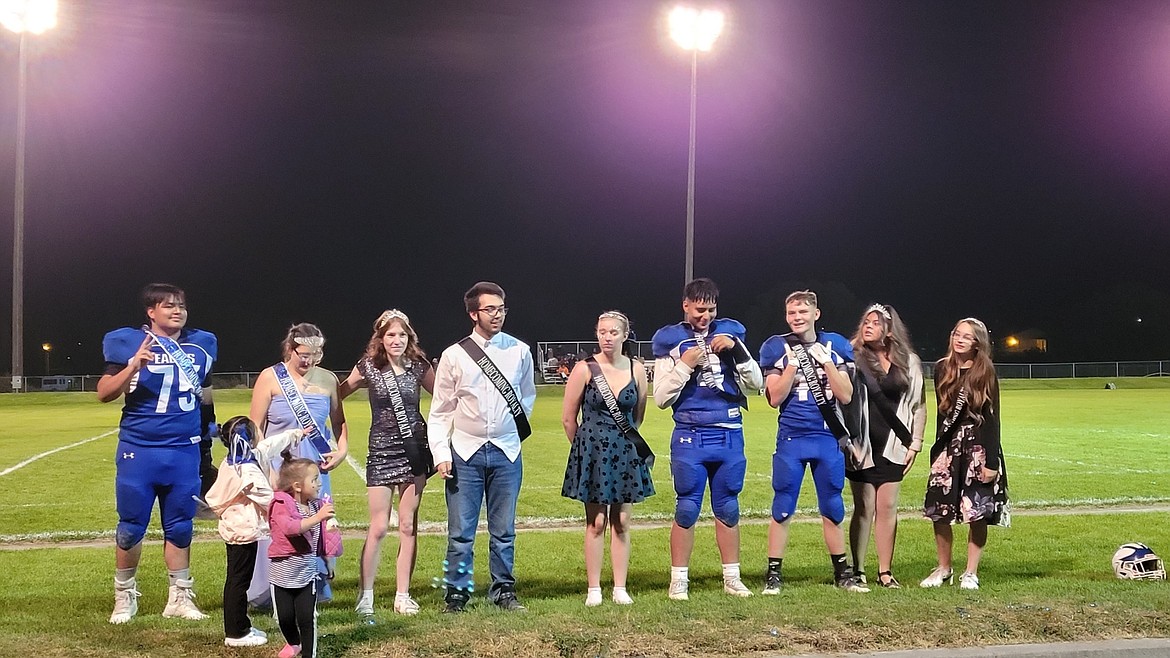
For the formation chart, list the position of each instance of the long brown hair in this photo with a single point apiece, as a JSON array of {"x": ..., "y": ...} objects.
[
  {"x": 376, "y": 351},
  {"x": 980, "y": 381},
  {"x": 895, "y": 339}
]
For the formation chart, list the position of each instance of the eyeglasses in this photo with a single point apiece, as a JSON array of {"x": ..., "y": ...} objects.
[
  {"x": 309, "y": 356},
  {"x": 493, "y": 311},
  {"x": 964, "y": 337}
]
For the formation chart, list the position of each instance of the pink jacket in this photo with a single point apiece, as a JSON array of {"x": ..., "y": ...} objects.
[
  {"x": 287, "y": 538},
  {"x": 285, "y": 521}
]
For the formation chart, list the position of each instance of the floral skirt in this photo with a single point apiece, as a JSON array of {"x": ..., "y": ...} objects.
[{"x": 955, "y": 492}]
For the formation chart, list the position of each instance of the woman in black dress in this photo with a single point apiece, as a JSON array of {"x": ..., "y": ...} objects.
[
  {"x": 394, "y": 368},
  {"x": 968, "y": 480},
  {"x": 604, "y": 470},
  {"x": 890, "y": 402}
]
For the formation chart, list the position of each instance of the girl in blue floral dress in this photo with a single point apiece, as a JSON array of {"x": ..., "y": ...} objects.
[{"x": 605, "y": 471}]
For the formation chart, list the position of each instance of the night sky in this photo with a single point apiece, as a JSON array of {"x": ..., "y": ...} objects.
[{"x": 323, "y": 161}]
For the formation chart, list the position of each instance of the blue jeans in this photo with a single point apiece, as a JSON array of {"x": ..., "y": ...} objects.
[{"x": 487, "y": 474}]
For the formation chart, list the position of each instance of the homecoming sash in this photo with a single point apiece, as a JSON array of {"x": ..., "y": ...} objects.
[
  {"x": 884, "y": 406},
  {"x": 619, "y": 418},
  {"x": 949, "y": 421},
  {"x": 708, "y": 376},
  {"x": 390, "y": 384},
  {"x": 180, "y": 358},
  {"x": 811, "y": 379},
  {"x": 300, "y": 409},
  {"x": 501, "y": 383}
]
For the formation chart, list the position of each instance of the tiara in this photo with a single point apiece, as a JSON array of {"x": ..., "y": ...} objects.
[
  {"x": 389, "y": 315},
  {"x": 315, "y": 342},
  {"x": 975, "y": 321},
  {"x": 617, "y": 315},
  {"x": 878, "y": 308}
]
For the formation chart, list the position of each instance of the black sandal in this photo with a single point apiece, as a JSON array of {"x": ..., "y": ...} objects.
[{"x": 887, "y": 580}]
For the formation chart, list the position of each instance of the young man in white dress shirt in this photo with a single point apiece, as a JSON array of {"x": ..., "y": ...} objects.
[{"x": 475, "y": 438}]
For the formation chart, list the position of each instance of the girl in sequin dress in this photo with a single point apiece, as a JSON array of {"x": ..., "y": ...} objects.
[{"x": 394, "y": 369}]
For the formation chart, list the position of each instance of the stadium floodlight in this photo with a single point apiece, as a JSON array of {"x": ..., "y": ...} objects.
[
  {"x": 694, "y": 30},
  {"x": 35, "y": 16},
  {"x": 22, "y": 17}
]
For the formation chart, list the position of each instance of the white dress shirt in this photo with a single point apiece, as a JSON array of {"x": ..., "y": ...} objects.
[{"x": 467, "y": 410}]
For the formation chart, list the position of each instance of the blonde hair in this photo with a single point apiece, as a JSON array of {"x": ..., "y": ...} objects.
[{"x": 804, "y": 296}]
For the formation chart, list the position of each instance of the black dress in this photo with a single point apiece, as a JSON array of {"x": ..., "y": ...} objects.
[
  {"x": 954, "y": 491},
  {"x": 391, "y": 459},
  {"x": 892, "y": 387},
  {"x": 604, "y": 466}
]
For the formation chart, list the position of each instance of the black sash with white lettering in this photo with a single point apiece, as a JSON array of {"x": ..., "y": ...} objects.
[
  {"x": 708, "y": 376},
  {"x": 884, "y": 406},
  {"x": 826, "y": 406},
  {"x": 300, "y": 409},
  {"x": 180, "y": 358},
  {"x": 619, "y": 418},
  {"x": 501, "y": 383},
  {"x": 949, "y": 421},
  {"x": 387, "y": 382}
]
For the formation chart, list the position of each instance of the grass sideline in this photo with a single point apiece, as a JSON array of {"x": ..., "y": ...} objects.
[{"x": 1068, "y": 443}]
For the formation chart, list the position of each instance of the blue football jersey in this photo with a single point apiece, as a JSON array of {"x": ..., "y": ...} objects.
[
  {"x": 712, "y": 396},
  {"x": 799, "y": 413},
  {"x": 161, "y": 407}
]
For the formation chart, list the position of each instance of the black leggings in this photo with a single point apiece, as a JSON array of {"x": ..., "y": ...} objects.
[
  {"x": 296, "y": 612},
  {"x": 241, "y": 562}
]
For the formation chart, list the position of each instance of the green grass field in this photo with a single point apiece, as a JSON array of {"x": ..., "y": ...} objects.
[{"x": 1070, "y": 444}]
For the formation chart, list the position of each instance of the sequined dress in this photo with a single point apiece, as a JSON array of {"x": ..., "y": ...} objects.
[{"x": 392, "y": 459}]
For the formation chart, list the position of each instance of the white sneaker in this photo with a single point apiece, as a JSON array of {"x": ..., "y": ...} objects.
[
  {"x": 365, "y": 606},
  {"x": 622, "y": 597},
  {"x": 968, "y": 581},
  {"x": 937, "y": 577},
  {"x": 125, "y": 604},
  {"x": 257, "y": 631},
  {"x": 404, "y": 605},
  {"x": 678, "y": 590},
  {"x": 592, "y": 597},
  {"x": 735, "y": 587},
  {"x": 181, "y": 602},
  {"x": 252, "y": 639}
]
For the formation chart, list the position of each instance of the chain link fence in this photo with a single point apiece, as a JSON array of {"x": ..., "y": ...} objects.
[{"x": 556, "y": 359}]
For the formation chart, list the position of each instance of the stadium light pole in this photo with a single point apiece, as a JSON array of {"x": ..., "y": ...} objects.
[
  {"x": 23, "y": 17},
  {"x": 694, "y": 30}
]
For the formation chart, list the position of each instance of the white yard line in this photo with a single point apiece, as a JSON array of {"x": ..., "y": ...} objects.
[
  {"x": 1097, "y": 468},
  {"x": 34, "y": 458},
  {"x": 91, "y": 539},
  {"x": 361, "y": 473}
]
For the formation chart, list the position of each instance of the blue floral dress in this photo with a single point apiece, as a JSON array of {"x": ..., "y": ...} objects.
[{"x": 604, "y": 466}]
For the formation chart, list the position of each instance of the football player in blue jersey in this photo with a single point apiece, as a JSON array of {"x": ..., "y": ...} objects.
[
  {"x": 702, "y": 370},
  {"x": 161, "y": 370},
  {"x": 808, "y": 377}
]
